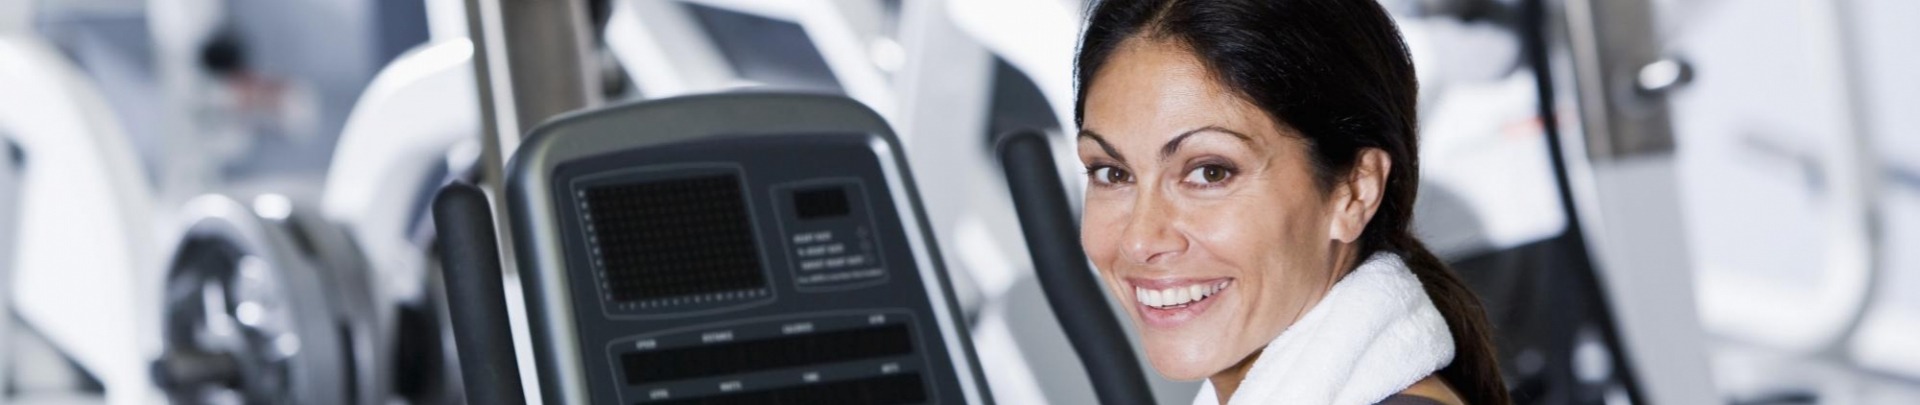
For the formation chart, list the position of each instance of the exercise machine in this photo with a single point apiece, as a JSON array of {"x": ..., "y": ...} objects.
[
  {"x": 762, "y": 248},
  {"x": 84, "y": 221},
  {"x": 274, "y": 301}
]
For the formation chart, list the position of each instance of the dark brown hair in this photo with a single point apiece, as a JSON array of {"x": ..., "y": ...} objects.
[{"x": 1338, "y": 73}]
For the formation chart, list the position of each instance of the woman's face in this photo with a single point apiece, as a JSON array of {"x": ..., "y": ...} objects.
[{"x": 1201, "y": 211}]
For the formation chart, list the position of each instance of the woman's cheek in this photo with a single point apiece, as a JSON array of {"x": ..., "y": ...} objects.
[
  {"x": 1100, "y": 228},
  {"x": 1100, "y": 224},
  {"x": 1223, "y": 229}
]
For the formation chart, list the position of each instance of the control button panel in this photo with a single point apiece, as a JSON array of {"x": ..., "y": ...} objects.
[{"x": 828, "y": 229}]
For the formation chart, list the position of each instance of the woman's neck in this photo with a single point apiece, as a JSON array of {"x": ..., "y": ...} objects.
[{"x": 1228, "y": 380}]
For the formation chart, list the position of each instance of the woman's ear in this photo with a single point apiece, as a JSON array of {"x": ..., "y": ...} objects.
[{"x": 1357, "y": 195}]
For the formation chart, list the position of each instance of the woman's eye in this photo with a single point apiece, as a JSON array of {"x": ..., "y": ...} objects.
[
  {"x": 1109, "y": 175},
  {"x": 1208, "y": 174}
]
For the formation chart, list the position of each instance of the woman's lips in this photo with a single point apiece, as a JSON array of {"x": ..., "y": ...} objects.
[{"x": 1166, "y": 303}]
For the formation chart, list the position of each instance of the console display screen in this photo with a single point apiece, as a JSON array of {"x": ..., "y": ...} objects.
[
  {"x": 791, "y": 351},
  {"x": 817, "y": 203},
  {"x": 681, "y": 237}
]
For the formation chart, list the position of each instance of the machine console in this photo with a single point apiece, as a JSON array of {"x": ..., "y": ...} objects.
[{"x": 734, "y": 248}]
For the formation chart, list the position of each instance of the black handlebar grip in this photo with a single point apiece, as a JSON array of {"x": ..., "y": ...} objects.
[
  {"x": 1053, "y": 238},
  {"x": 476, "y": 297}
]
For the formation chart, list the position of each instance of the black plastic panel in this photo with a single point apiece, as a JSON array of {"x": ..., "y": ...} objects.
[
  {"x": 831, "y": 241},
  {"x": 783, "y": 352},
  {"x": 749, "y": 269},
  {"x": 887, "y": 390},
  {"x": 684, "y": 237},
  {"x": 821, "y": 202}
]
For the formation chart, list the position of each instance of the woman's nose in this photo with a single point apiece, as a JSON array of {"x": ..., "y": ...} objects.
[{"x": 1150, "y": 237}]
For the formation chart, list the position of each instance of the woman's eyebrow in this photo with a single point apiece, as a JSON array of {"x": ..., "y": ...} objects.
[
  {"x": 1173, "y": 145},
  {"x": 1088, "y": 134}
]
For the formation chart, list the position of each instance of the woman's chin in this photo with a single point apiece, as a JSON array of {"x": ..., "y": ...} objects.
[
  {"x": 1188, "y": 342},
  {"x": 1189, "y": 354},
  {"x": 1183, "y": 368}
]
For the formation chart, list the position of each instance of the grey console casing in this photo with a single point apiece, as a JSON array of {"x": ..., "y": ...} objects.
[{"x": 802, "y": 220}]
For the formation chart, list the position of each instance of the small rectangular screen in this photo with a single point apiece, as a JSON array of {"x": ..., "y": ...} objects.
[
  {"x": 766, "y": 354},
  {"x": 824, "y": 202},
  {"x": 669, "y": 238}
]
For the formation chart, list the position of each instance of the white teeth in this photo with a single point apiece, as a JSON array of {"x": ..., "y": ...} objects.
[{"x": 1177, "y": 296}]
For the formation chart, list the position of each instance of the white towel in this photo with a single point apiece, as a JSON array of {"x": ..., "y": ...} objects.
[{"x": 1373, "y": 335}]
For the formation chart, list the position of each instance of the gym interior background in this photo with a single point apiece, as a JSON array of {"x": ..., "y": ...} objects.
[{"x": 1661, "y": 201}]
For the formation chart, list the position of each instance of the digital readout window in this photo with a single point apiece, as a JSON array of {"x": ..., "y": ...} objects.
[{"x": 673, "y": 238}]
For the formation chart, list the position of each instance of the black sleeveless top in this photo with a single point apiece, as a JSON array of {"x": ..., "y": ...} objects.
[{"x": 1404, "y": 399}]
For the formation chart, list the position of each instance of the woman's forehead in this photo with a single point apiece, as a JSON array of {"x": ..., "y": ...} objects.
[{"x": 1153, "y": 91}]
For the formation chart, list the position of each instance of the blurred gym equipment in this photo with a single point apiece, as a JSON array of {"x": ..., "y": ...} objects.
[
  {"x": 277, "y": 304},
  {"x": 84, "y": 221}
]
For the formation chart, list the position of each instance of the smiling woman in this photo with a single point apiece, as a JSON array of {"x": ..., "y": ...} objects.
[{"x": 1252, "y": 169}]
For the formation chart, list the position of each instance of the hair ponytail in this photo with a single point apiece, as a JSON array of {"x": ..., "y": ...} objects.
[{"x": 1475, "y": 371}]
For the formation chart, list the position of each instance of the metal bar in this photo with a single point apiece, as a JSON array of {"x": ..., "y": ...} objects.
[
  {"x": 1078, "y": 301},
  {"x": 1620, "y": 189},
  {"x": 469, "y": 258},
  {"x": 1611, "y": 41},
  {"x": 1534, "y": 37},
  {"x": 1853, "y": 266},
  {"x": 534, "y": 60}
]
